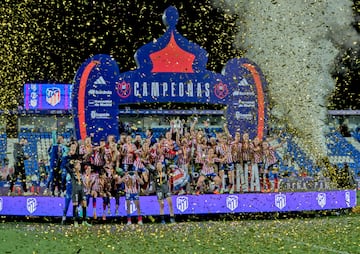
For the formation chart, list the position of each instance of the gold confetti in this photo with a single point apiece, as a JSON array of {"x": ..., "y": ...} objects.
[{"x": 47, "y": 41}]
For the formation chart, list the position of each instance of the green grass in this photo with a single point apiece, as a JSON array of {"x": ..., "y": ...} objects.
[
  {"x": 327, "y": 234},
  {"x": 330, "y": 234}
]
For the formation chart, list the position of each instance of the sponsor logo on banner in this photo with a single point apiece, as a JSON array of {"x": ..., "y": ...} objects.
[
  {"x": 239, "y": 116},
  {"x": 321, "y": 199},
  {"x": 97, "y": 115},
  {"x": 31, "y": 205},
  {"x": 53, "y": 96},
  {"x": 280, "y": 201},
  {"x": 347, "y": 199},
  {"x": 221, "y": 90},
  {"x": 232, "y": 202},
  {"x": 1, "y": 204},
  {"x": 238, "y": 93},
  {"x": 100, "y": 81},
  {"x": 124, "y": 89},
  {"x": 246, "y": 104},
  {"x": 101, "y": 103},
  {"x": 182, "y": 203},
  {"x": 99, "y": 92},
  {"x": 132, "y": 206}
]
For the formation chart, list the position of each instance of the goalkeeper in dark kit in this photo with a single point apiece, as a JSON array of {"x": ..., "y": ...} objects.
[{"x": 78, "y": 196}]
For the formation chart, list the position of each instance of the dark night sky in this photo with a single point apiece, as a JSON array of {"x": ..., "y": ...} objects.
[{"x": 47, "y": 41}]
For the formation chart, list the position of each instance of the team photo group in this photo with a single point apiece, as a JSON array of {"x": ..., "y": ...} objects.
[{"x": 182, "y": 160}]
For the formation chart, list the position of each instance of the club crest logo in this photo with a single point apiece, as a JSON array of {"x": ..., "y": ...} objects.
[
  {"x": 221, "y": 90},
  {"x": 132, "y": 206},
  {"x": 280, "y": 201},
  {"x": 182, "y": 203},
  {"x": 123, "y": 89},
  {"x": 347, "y": 199},
  {"x": 33, "y": 103},
  {"x": 321, "y": 199},
  {"x": 31, "y": 205},
  {"x": 1, "y": 204},
  {"x": 53, "y": 96},
  {"x": 232, "y": 202}
]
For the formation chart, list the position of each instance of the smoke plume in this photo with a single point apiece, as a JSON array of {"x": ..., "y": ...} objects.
[{"x": 295, "y": 43}]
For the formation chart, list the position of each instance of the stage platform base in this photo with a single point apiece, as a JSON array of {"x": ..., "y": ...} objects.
[{"x": 189, "y": 204}]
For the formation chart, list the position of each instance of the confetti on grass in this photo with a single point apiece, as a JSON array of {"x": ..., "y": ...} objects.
[{"x": 320, "y": 235}]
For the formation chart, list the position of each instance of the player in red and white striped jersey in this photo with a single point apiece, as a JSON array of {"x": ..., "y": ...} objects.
[
  {"x": 128, "y": 154},
  {"x": 224, "y": 152},
  {"x": 271, "y": 163},
  {"x": 141, "y": 159},
  {"x": 208, "y": 171},
  {"x": 170, "y": 150},
  {"x": 86, "y": 151},
  {"x": 256, "y": 182},
  {"x": 105, "y": 191},
  {"x": 116, "y": 188},
  {"x": 132, "y": 186},
  {"x": 200, "y": 150},
  {"x": 237, "y": 158},
  {"x": 91, "y": 183},
  {"x": 111, "y": 152},
  {"x": 157, "y": 154},
  {"x": 184, "y": 154},
  {"x": 246, "y": 155},
  {"x": 99, "y": 156}
]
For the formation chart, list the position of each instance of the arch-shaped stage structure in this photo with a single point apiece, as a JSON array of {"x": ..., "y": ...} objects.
[{"x": 169, "y": 70}]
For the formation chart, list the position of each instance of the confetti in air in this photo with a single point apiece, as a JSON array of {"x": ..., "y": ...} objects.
[
  {"x": 296, "y": 44},
  {"x": 46, "y": 41}
]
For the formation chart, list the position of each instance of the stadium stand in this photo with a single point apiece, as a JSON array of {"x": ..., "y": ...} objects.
[
  {"x": 297, "y": 169},
  {"x": 340, "y": 151},
  {"x": 356, "y": 134}
]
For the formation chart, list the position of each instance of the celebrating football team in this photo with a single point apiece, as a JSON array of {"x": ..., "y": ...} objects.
[{"x": 182, "y": 161}]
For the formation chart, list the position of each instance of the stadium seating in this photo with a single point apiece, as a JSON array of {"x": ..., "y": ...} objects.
[
  {"x": 340, "y": 151},
  {"x": 37, "y": 149},
  {"x": 356, "y": 134},
  {"x": 300, "y": 157}
]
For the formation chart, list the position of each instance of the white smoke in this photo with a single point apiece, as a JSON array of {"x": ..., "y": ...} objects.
[{"x": 295, "y": 43}]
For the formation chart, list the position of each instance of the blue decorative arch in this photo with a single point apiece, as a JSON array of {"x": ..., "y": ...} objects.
[{"x": 169, "y": 70}]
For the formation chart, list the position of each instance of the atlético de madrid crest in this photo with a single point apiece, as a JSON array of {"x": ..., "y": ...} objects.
[
  {"x": 31, "y": 205},
  {"x": 53, "y": 96}
]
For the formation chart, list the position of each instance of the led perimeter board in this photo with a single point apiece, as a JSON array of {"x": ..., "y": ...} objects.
[{"x": 47, "y": 96}]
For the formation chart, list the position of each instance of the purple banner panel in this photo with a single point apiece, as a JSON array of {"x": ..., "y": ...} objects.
[
  {"x": 191, "y": 204},
  {"x": 47, "y": 96}
]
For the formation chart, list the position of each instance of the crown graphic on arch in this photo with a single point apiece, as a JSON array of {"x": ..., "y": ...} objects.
[
  {"x": 172, "y": 52},
  {"x": 172, "y": 58}
]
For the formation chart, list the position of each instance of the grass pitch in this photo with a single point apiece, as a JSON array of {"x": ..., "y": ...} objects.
[
  {"x": 328, "y": 234},
  {"x": 302, "y": 234}
]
